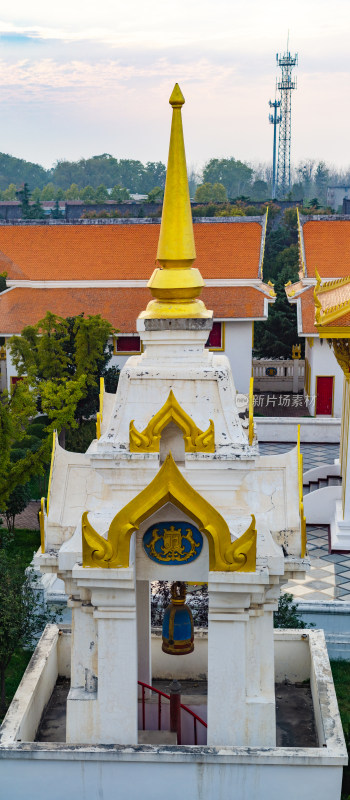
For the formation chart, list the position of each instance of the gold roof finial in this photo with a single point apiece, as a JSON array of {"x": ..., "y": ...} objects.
[{"x": 175, "y": 285}]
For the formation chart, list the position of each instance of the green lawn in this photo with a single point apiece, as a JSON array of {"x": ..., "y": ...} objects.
[
  {"x": 341, "y": 677},
  {"x": 25, "y": 543}
]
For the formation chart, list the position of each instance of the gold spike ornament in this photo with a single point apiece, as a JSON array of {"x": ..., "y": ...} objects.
[{"x": 176, "y": 285}]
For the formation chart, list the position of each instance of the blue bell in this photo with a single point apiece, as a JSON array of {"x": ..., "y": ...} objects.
[{"x": 178, "y": 630}]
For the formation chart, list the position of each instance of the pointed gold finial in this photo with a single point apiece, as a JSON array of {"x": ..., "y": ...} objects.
[
  {"x": 176, "y": 98},
  {"x": 176, "y": 285}
]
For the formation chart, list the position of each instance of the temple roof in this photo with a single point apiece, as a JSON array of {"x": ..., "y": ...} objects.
[
  {"x": 125, "y": 251},
  {"x": 121, "y": 306},
  {"x": 324, "y": 247},
  {"x": 325, "y": 243}
]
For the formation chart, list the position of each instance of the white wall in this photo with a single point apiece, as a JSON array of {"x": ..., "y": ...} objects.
[
  {"x": 238, "y": 348},
  {"x": 323, "y": 362}
]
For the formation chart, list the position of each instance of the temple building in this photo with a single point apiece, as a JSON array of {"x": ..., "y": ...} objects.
[
  {"x": 324, "y": 248},
  {"x": 102, "y": 267},
  {"x": 174, "y": 489},
  {"x": 332, "y": 321}
]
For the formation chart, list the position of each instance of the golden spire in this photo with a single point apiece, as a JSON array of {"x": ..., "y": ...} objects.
[{"x": 176, "y": 284}]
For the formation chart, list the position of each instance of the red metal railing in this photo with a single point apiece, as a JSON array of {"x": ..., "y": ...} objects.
[{"x": 161, "y": 694}]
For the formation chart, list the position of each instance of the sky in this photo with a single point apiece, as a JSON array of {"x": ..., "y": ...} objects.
[{"x": 80, "y": 79}]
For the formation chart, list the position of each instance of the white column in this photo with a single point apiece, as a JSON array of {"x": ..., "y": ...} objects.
[
  {"x": 340, "y": 525},
  {"x": 84, "y": 643},
  {"x": 241, "y": 697},
  {"x": 105, "y": 710},
  {"x": 226, "y": 666},
  {"x": 295, "y": 375},
  {"x": 260, "y": 687},
  {"x": 143, "y": 613}
]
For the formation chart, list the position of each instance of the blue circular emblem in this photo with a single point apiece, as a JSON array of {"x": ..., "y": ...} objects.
[{"x": 172, "y": 542}]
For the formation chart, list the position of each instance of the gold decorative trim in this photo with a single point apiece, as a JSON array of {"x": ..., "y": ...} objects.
[
  {"x": 301, "y": 500},
  {"x": 42, "y": 524},
  {"x": 169, "y": 486},
  {"x": 251, "y": 411},
  {"x": 341, "y": 349},
  {"x": 148, "y": 440},
  {"x": 99, "y": 415},
  {"x": 51, "y": 469}
]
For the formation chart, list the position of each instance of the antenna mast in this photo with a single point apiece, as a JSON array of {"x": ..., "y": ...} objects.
[
  {"x": 275, "y": 120},
  {"x": 286, "y": 62}
]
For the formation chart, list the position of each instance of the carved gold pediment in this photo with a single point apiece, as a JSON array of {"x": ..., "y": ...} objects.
[
  {"x": 148, "y": 440},
  {"x": 169, "y": 486}
]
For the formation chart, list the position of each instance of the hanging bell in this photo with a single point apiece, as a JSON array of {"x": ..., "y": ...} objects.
[{"x": 177, "y": 630}]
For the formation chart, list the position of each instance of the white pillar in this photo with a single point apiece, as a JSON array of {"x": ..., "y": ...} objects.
[
  {"x": 241, "y": 697},
  {"x": 84, "y": 643},
  {"x": 105, "y": 711},
  {"x": 143, "y": 614},
  {"x": 295, "y": 375},
  {"x": 260, "y": 686}
]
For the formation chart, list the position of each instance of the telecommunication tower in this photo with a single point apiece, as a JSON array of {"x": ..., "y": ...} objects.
[
  {"x": 286, "y": 85},
  {"x": 275, "y": 120}
]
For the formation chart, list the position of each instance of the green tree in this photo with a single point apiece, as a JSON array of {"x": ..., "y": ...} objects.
[
  {"x": 101, "y": 194},
  {"x": 305, "y": 172},
  {"x": 72, "y": 193},
  {"x": 219, "y": 193},
  {"x": 63, "y": 360},
  {"x": 56, "y": 213},
  {"x": 321, "y": 179},
  {"x": 16, "y": 503},
  {"x": 260, "y": 190},
  {"x": 16, "y": 171},
  {"x": 48, "y": 192},
  {"x": 22, "y": 615},
  {"x": 29, "y": 210},
  {"x": 204, "y": 193},
  {"x": 36, "y": 195},
  {"x": 233, "y": 174},
  {"x": 275, "y": 337},
  {"x": 16, "y": 411},
  {"x": 287, "y": 615},
  {"x": 119, "y": 194},
  {"x": 154, "y": 174},
  {"x": 10, "y": 192},
  {"x": 155, "y": 195},
  {"x": 88, "y": 195}
]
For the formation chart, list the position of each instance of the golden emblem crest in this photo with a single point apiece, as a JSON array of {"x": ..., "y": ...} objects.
[{"x": 172, "y": 544}]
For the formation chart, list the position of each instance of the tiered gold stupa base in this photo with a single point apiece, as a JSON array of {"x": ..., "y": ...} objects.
[{"x": 178, "y": 309}]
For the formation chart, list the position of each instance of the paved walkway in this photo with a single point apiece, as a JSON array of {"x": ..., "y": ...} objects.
[
  {"x": 329, "y": 576},
  {"x": 315, "y": 455},
  {"x": 29, "y": 518}
]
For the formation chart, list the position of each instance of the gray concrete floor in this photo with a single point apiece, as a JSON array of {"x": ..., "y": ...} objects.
[{"x": 295, "y": 724}]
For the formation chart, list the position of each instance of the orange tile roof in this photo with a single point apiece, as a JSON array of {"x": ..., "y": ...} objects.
[
  {"x": 25, "y": 306},
  {"x": 327, "y": 247},
  {"x": 308, "y": 311},
  {"x": 122, "y": 251}
]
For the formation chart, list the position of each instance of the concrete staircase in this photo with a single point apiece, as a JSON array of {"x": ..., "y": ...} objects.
[
  {"x": 321, "y": 483},
  {"x": 321, "y": 489}
]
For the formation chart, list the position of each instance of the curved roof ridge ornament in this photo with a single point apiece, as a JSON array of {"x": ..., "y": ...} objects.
[
  {"x": 169, "y": 486},
  {"x": 195, "y": 439}
]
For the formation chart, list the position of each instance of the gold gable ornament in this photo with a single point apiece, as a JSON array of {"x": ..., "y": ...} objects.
[
  {"x": 147, "y": 441},
  {"x": 169, "y": 486}
]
